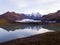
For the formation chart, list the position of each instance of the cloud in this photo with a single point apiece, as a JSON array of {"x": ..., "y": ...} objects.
[
  {"x": 18, "y": 3},
  {"x": 28, "y": 3},
  {"x": 52, "y": 8},
  {"x": 29, "y": 6},
  {"x": 46, "y": 1},
  {"x": 22, "y": 5}
]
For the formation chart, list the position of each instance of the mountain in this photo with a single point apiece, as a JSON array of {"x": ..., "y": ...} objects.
[
  {"x": 12, "y": 16},
  {"x": 34, "y": 16},
  {"x": 52, "y": 17}
]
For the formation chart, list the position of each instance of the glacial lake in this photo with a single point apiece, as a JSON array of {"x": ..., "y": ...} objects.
[{"x": 23, "y": 30}]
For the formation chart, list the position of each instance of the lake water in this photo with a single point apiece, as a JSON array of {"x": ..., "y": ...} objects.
[{"x": 19, "y": 31}]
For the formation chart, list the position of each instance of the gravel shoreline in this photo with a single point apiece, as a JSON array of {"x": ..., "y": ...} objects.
[{"x": 49, "y": 38}]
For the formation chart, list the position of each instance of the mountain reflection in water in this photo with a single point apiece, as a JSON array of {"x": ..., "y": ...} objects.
[
  {"x": 9, "y": 32},
  {"x": 20, "y": 26}
]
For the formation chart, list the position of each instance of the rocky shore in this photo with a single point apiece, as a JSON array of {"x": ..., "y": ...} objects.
[{"x": 49, "y": 38}]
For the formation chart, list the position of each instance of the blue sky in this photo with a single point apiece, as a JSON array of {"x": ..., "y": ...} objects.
[{"x": 29, "y": 6}]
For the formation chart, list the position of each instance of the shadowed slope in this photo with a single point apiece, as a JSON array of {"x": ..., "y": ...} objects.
[{"x": 50, "y": 38}]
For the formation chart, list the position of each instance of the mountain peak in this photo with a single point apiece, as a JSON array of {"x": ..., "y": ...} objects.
[
  {"x": 10, "y": 13},
  {"x": 58, "y": 11}
]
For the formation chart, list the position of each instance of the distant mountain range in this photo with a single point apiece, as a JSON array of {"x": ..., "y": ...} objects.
[
  {"x": 52, "y": 17},
  {"x": 12, "y": 16}
]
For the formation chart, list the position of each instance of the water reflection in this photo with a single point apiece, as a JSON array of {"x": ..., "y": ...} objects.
[
  {"x": 18, "y": 31},
  {"x": 52, "y": 27},
  {"x": 20, "y": 26}
]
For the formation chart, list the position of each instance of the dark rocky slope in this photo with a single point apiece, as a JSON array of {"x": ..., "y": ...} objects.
[
  {"x": 49, "y": 38},
  {"x": 52, "y": 17}
]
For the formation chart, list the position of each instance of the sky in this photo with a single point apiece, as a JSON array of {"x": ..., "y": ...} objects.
[{"x": 29, "y": 6}]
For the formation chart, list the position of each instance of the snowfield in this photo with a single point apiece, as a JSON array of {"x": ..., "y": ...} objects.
[{"x": 27, "y": 20}]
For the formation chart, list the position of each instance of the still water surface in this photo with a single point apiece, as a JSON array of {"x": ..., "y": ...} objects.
[{"x": 19, "y": 31}]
